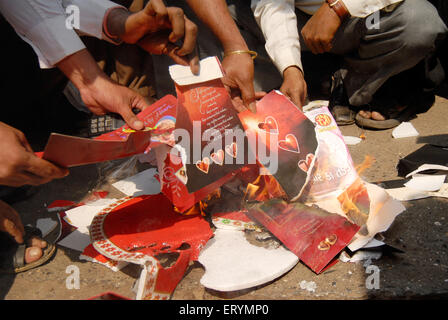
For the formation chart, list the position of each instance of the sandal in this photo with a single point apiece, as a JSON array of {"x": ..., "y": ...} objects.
[
  {"x": 339, "y": 105},
  {"x": 13, "y": 258},
  {"x": 393, "y": 116}
]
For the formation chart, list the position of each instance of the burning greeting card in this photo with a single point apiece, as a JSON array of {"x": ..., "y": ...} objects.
[
  {"x": 210, "y": 137},
  {"x": 283, "y": 139}
]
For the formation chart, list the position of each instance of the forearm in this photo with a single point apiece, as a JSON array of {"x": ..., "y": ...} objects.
[
  {"x": 278, "y": 22},
  {"x": 215, "y": 15},
  {"x": 81, "y": 69}
]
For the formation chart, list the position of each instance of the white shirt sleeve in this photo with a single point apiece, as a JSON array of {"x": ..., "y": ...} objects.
[
  {"x": 364, "y": 8},
  {"x": 278, "y": 22},
  {"x": 42, "y": 25},
  {"x": 91, "y": 15},
  {"x": 46, "y": 25}
]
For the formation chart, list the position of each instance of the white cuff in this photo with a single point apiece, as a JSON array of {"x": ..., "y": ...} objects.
[{"x": 363, "y": 8}]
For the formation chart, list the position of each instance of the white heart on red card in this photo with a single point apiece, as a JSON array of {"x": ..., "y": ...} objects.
[
  {"x": 290, "y": 143},
  {"x": 232, "y": 150},
  {"x": 218, "y": 157},
  {"x": 203, "y": 165}
]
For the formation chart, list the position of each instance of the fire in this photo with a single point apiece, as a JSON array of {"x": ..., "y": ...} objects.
[
  {"x": 265, "y": 187},
  {"x": 201, "y": 206},
  {"x": 356, "y": 195}
]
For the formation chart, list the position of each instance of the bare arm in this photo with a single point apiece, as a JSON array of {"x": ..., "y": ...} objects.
[
  {"x": 100, "y": 93},
  {"x": 239, "y": 68}
]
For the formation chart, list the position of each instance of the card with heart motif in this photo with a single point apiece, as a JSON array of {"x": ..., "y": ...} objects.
[
  {"x": 285, "y": 134},
  {"x": 212, "y": 135},
  {"x": 316, "y": 236}
]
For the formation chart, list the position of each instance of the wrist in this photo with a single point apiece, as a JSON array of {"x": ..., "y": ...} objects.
[
  {"x": 292, "y": 71},
  {"x": 339, "y": 8}
]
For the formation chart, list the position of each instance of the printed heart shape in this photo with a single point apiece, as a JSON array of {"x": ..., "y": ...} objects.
[
  {"x": 289, "y": 144},
  {"x": 218, "y": 157},
  {"x": 232, "y": 150},
  {"x": 305, "y": 164},
  {"x": 309, "y": 159},
  {"x": 269, "y": 125},
  {"x": 203, "y": 165}
]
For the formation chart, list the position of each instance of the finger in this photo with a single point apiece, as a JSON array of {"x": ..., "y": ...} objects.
[
  {"x": 10, "y": 222},
  {"x": 248, "y": 95},
  {"x": 319, "y": 46},
  {"x": 194, "y": 63},
  {"x": 131, "y": 120},
  {"x": 327, "y": 46},
  {"x": 158, "y": 9},
  {"x": 24, "y": 141},
  {"x": 12, "y": 229},
  {"x": 176, "y": 17},
  {"x": 189, "y": 41},
  {"x": 45, "y": 169},
  {"x": 259, "y": 95},
  {"x": 295, "y": 98}
]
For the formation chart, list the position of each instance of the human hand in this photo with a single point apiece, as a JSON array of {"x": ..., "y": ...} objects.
[
  {"x": 294, "y": 85},
  {"x": 104, "y": 96},
  {"x": 157, "y": 29},
  {"x": 19, "y": 165},
  {"x": 10, "y": 222},
  {"x": 238, "y": 80},
  {"x": 320, "y": 29}
]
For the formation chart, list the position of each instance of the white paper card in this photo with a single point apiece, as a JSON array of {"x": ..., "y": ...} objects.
[
  {"x": 404, "y": 130},
  {"x": 209, "y": 69},
  {"x": 425, "y": 182},
  {"x": 142, "y": 183},
  {"x": 82, "y": 216}
]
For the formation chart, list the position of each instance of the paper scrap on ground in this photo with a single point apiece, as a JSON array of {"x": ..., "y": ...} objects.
[
  {"x": 46, "y": 225},
  {"x": 77, "y": 240},
  {"x": 350, "y": 140},
  {"x": 309, "y": 286},
  {"x": 82, "y": 216},
  {"x": 142, "y": 183},
  {"x": 363, "y": 255},
  {"x": 407, "y": 194},
  {"x": 373, "y": 244},
  {"x": 426, "y": 167},
  {"x": 232, "y": 263},
  {"x": 404, "y": 130},
  {"x": 425, "y": 182},
  {"x": 383, "y": 210}
]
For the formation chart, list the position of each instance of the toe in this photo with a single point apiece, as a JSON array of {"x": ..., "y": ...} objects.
[
  {"x": 32, "y": 254},
  {"x": 365, "y": 114},
  {"x": 378, "y": 116},
  {"x": 37, "y": 242}
]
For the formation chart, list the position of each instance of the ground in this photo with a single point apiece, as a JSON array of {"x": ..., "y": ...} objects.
[{"x": 421, "y": 232}]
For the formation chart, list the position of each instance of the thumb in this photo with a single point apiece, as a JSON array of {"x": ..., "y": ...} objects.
[
  {"x": 248, "y": 95},
  {"x": 128, "y": 115}
]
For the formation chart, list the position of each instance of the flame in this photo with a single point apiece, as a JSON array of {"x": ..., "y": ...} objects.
[
  {"x": 355, "y": 195},
  {"x": 202, "y": 205},
  {"x": 264, "y": 188}
]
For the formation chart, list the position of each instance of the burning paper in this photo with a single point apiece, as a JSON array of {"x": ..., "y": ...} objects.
[
  {"x": 314, "y": 235},
  {"x": 283, "y": 140}
]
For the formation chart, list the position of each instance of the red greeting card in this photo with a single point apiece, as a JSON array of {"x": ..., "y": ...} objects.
[
  {"x": 284, "y": 140},
  {"x": 69, "y": 151},
  {"x": 212, "y": 138},
  {"x": 314, "y": 235}
]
